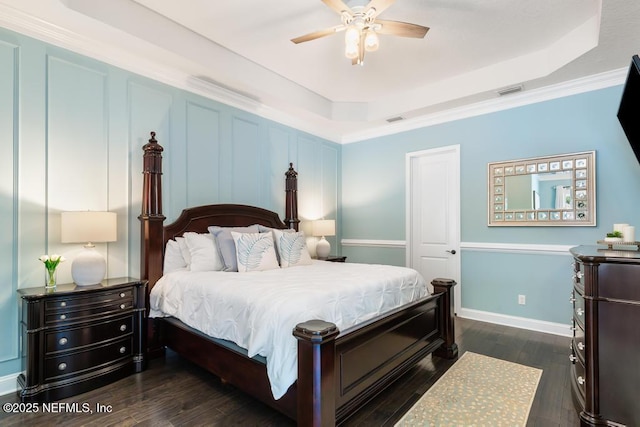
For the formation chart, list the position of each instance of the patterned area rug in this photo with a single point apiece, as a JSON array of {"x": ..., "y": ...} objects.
[{"x": 477, "y": 391}]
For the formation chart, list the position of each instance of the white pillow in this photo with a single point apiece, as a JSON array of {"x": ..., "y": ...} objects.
[
  {"x": 184, "y": 250},
  {"x": 173, "y": 259},
  {"x": 203, "y": 251},
  {"x": 292, "y": 248},
  {"x": 255, "y": 251}
]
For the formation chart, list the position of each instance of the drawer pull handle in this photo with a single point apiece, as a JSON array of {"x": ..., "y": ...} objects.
[
  {"x": 123, "y": 350},
  {"x": 122, "y": 306},
  {"x": 580, "y": 346},
  {"x": 122, "y": 294},
  {"x": 62, "y": 366},
  {"x": 62, "y": 341},
  {"x": 572, "y": 300},
  {"x": 580, "y": 312},
  {"x": 123, "y": 328},
  {"x": 579, "y": 274},
  {"x": 63, "y": 316},
  {"x": 580, "y": 380},
  {"x": 63, "y": 304},
  {"x": 572, "y": 358}
]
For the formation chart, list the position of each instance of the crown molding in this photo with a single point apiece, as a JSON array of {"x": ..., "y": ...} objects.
[{"x": 533, "y": 96}]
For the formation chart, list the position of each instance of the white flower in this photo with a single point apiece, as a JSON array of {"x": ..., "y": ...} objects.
[{"x": 51, "y": 262}]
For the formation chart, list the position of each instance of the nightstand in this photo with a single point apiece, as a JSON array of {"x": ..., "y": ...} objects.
[
  {"x": 78, "y": 338},
  {"x": 336, "y": 259}
]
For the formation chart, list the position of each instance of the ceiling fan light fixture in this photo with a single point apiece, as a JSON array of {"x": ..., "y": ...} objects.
[
  {"x": 371, "y": 41},
  {"x": 351, "y": 35},
  {"x": 351, "y": 50}
]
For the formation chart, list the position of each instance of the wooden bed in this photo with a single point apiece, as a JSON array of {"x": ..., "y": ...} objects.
[{"x": 338, "y": 371}]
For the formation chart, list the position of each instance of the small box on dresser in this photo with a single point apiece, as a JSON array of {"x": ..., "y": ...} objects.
[
  {"x": 605, "y": 349},
  {"x": 78, "y": 338}
]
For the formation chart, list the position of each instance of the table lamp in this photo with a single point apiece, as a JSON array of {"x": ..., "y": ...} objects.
[
  {"x": 89, "y": 267},
  {"x": 321, "y": 228}
]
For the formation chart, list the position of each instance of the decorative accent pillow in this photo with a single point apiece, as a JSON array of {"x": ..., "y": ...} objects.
[
  {"x": 226, "y": 245},
  {"x": 204, "y": 255},
  {"x": 292, "y": 248},
  {"x": 173, "y": 259},
  {"x": 255, "y": 251}
]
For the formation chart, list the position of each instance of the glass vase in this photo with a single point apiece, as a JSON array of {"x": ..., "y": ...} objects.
[{"x": 50, "y": 278}]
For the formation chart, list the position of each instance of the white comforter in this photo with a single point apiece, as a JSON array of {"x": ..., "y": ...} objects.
[{"x": 259, "y": 310}]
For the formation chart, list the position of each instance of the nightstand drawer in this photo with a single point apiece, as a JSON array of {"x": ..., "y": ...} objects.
[
  {"x": 102, "y": 298},
  {"x": 68, "y": 339},
  {"x": 56, "y": 368},
  {"x": 87, "y": 312}
]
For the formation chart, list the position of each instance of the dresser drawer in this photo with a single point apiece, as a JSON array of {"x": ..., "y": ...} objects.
[
  {"x": 58, "y": 367},
  {"x": 579, "y": 377},
  {"x": 578, "y": 309},
  {"x": 68, "y": 339},
  {"x": 87, "y": 312},
  {"x": 578, "y": 342},
  {"x": 578, "y": 277}
]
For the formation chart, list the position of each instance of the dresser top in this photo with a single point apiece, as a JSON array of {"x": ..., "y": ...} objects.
[
  {"x": 593, "y": 253},
  {"x": 72, "y": 288}
]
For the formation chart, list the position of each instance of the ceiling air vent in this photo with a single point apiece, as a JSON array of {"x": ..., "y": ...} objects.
[
  {"x": 395, "y": 119},
  {"x": 510, "y": 90}
]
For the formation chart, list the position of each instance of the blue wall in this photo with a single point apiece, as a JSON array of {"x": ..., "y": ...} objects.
[
  {"x": 72, "y": 131},
  {"x": 373, "y": 198}
]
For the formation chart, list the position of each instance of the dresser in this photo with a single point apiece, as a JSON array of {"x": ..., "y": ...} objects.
[
  {"x": 605, "y": 349},
  {"x": 78, "y": 338}
]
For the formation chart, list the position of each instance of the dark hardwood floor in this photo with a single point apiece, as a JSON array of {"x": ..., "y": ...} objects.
[{"x": 173, "y": 392}]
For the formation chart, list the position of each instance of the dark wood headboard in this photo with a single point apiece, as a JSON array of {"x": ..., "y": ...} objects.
[{"x": 154, "y": 235}]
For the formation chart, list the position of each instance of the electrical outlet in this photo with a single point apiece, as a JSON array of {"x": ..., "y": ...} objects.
[{"x": 522, "y": 299}]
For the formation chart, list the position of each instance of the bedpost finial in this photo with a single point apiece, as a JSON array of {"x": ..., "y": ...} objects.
[
  {"x": 291, "y": 173},
  {"x": 152, "y": 146}
]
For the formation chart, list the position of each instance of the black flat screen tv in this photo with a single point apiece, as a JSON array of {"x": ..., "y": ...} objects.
[{"x": 629, "y": 110}]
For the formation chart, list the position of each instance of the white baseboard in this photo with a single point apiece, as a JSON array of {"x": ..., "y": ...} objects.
[
  {"x": 9, "y": 384},
  {"x": 517, "y": 322}
]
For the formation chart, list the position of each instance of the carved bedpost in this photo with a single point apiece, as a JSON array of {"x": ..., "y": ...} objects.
[
  {"x": 449, "y": 349},
  {"x": 151, "y": 218},
  {"x": 316, "y": 393},
  {"x": 291, "y": 189}
]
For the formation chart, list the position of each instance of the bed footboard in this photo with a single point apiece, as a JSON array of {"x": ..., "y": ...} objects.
[{"x": 339, "y": 372}]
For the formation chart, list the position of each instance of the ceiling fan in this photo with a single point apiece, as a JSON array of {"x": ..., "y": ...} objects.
[{"x": 362, "y": 28}]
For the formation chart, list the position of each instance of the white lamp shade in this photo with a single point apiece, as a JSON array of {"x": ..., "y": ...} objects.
[
  {"x": 88, "y": 226},
  {"x": 89, "y": 267},
  {"x": 323, "y": 227}
]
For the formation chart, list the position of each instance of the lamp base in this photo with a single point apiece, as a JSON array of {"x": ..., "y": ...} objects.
[
  {"x": 323, "y": 247},
  {"x": 89, "y": 267}
]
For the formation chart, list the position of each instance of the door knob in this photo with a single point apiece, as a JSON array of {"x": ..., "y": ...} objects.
[{"x": 452, "y": 251}]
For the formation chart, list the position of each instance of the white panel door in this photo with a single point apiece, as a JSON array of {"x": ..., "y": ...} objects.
[{"x": 433, "y": 214}]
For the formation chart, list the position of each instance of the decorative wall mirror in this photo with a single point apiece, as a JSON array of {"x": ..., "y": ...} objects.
[{"x": 543, "y": 191}]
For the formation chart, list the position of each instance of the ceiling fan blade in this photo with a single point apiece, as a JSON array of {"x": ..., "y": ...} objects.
[
  {"x": 379, "y": 6},
  {"x": 318, "y": 34},
  {"x": 402, "y": 29},
  {"x": 338, "y": 6}
]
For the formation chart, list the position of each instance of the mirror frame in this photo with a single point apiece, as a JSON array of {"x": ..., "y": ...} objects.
[{"x": 583, "y": 183}]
